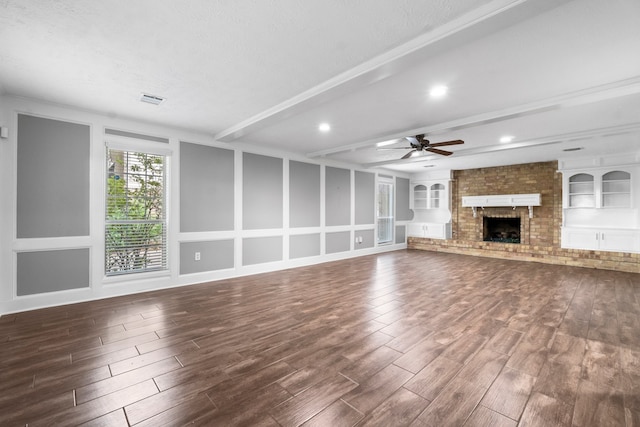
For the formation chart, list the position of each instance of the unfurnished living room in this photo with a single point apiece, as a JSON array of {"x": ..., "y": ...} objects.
[{"x": 320, "y": 213}]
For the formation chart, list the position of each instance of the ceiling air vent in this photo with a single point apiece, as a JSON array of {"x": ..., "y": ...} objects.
[
  {"x": 573, "y": 149},
  {"x": 151, "y": 99}
]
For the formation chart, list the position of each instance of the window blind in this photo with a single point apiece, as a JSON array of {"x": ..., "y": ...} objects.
[{"x": 135, "y": 223}]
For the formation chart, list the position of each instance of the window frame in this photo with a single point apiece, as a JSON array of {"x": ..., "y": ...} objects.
[
  {"x": 389, "y": 182},
  {"x": 149, "y": 148}
]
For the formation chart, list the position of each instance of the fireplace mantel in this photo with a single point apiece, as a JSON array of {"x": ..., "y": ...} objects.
[{"x": 501, "y": 200}]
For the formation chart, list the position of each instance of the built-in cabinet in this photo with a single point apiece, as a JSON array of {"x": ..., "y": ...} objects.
[
  {"x": 437, "y": 196},
  {"x": 429, "y": 195},
  {"x": 616, "y": 189},
  {"x": 603, "y": 239},
  {"x": 418, "y": 199},
  {"x": 598, "y": 189},
  {"x": 582, "y": 191},
  {"x": 430, "y": 230},
  {"x": 600, "y": 209},
  {"x": 430, "y": 203}
]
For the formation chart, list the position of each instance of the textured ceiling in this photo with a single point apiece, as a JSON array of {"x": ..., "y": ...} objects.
[
  {"x": 267, "y": 72},
  {"x": 217, "y": 62}
]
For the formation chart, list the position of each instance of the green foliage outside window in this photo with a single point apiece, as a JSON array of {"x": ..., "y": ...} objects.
[{"x": 135, "y": 230}]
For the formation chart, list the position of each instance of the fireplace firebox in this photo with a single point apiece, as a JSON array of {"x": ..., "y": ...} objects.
[{"x": 503, "y": 230}]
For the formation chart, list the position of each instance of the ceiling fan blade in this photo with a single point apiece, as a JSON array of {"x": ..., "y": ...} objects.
[
  {"x": 412, "y": 140},
  {"x": 442, "y": 144},
  {"x": 442, "y": 152},
  {"x": 409, "y": 154}
]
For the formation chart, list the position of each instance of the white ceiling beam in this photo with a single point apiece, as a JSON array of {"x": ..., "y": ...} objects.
[
  {"x": 536, "y": 142},
  {"x": 594, "y": 94},
  {"x": 480, "y": 21}
]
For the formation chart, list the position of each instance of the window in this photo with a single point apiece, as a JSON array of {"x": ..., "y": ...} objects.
[
  {"x": 136, "y": 228},
  {"x": 385, "y": 211}
]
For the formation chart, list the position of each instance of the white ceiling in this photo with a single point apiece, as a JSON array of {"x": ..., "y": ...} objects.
[{"x": 555, "y": 74}]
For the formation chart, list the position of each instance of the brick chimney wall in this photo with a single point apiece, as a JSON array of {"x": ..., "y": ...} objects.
[{"x": 541, "y": 234}]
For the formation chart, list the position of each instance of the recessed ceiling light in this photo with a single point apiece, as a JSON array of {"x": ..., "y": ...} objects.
[
  {"x": 574, "y": 149},
  {"x": 151, "y": 99},
  {"x": 438, "y": 91},
  {"x": 506, "y": 138},
  {"x": 324, "y": 127},
  {"x": 384, "y": 143}
]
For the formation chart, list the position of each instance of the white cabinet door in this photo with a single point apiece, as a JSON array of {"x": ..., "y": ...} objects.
[
  {"x": 603, "y": 239},
  {"x": 580, "y": 238},
  {"x": 620, "y": 240},
  {"x": 434, "y": 231},
  {"x": 415, "y": 230},
  {"x": 431, "y": 230}
]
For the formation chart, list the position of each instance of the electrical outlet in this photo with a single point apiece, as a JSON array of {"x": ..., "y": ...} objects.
[{"x": 197, "y": 256}]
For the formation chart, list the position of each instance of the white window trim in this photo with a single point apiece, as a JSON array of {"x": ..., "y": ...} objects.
[{"x": 113, "y": 142}]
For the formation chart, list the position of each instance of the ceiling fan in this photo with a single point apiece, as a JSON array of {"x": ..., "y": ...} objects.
[{"x": 419, "y": 143}]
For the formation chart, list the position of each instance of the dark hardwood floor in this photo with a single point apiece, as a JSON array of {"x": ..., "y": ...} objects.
[{"x": 401, "y": 338}]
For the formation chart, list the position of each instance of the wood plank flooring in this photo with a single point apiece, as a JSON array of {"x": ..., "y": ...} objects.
[{"x": 401, "y": 338}]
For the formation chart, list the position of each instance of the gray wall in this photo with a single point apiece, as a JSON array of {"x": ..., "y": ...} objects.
[
  {"x": 365, "y": 197},
  {"x": 337, "y": 196},
  {"x": 368, "y": 239},
  {"x": 402, "y": 200},
  {"x": 304, "y": 245},
  {"x": 206, "y": 188},
  {"x": 58, "y": 173},
  {"x": 262, "y": 196},
  {"x": 214, "y": 255},
  {"x": 258, "y": 250},
  {"x": 339, "y": 241},
  {"x": 50, "y": 271},
  {"x": 401, "y": 234},
  {"x": 304, "y": 194},
  {"x": 52, "y": 178}
]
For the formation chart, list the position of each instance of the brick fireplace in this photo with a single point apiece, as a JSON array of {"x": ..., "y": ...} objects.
[
  {"x": 501, "y": 229},
  {"x": 539, "y": 235}
]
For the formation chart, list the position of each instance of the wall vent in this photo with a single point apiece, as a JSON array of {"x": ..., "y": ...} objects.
[{"x": 151, "y": 99}]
